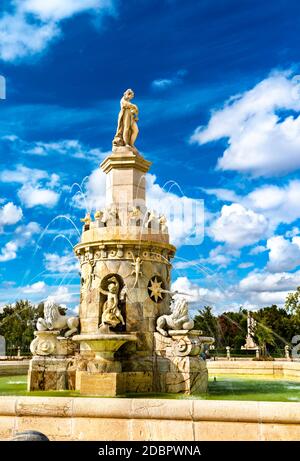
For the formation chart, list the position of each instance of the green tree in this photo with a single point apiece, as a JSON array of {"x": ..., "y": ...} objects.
[
  {"x": 17, "y": 324},
  {"x": 263, "y": 336},
  {"x": 279, "y": 322},
  {"x": 207, "y": 322},
  {"x": 292, "y": 306},
  {"x": 232, "y": 327}
]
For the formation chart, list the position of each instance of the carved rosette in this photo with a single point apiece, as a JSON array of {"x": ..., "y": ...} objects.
[
  {"x": 180, "y": 343},
  {"x": 44, "y": 343},
  {"x": 50, "y": 343},
  {"x": 185, "y": 346}
]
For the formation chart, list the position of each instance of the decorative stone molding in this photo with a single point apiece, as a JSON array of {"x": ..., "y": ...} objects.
[
  {"x": 49, "y": 343},
  {"x": 44, "y": 343}
]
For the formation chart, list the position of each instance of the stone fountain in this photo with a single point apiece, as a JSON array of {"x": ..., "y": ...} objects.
[{"x": 133, "y": 336}]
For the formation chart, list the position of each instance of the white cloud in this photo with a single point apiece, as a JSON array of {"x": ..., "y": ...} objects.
[
  {"x": 37, "y": 287},
  {"x": 197, "y": 294},
  {"x": 284, "y": 254},
  {"x": 293, "y": 232},
  {"x": 8, "y": 252},
  {"x": 267, "y": 282},
  {"x": 220, "y": 256},
  {"x": 60, "y": 9},
  {"x": 261, "y": 289},
  {"x": 256, "y": 290},
  {"x": 22, "y": 236},
  {"x": 37, "y": 185},
  {"x": 93, "y": 195},
  {"x": 10, "y": 214},
  {"x": 19, "y": 38},
  {"x": 21, "y": 174},
  {"x": 161, "y": 84},
  {"x": 225, "y": 195},
  {"x": 68, "y": 147},
  {"x": 278, "y": 204},
  {"x": 61, "y": 294},
  {"x": 245, "y": 265},
  {"x": 62, "y": 264},
  {"x": 238, "y": 226},
  {"x": 257, "y": 250},
  {"x": 32, "y": 196},
  {"x": 26, "y": 231},
  {"x": 33, "y": 24},
  {"x": 260, "y": 142}
]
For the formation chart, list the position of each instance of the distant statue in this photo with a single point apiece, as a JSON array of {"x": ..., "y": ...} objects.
[
  {"x": 127, "y": 129},
  {"x": 111, "y": 314},
  {"x": 53, "y": 320},
  {"x": 178, "y": 320},
  {"x": 251, "y": 326}
]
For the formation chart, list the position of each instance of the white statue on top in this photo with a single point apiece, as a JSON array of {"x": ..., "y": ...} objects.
[{"x": 127, "y": 129}]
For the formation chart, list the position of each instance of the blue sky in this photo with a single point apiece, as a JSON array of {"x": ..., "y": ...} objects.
[{"x": 218, "y": 90}]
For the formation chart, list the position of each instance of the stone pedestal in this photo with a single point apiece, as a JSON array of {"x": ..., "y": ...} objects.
[
  {"x": 179, "y": 368},
  {"x": 51, "y": 365},
  {"x": 102, "y": 384},
  {"x": 50, "y": 374},
  {"x": 125, "y": 181}
]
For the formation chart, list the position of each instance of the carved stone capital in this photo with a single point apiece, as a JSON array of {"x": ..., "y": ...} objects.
[
  {"x": 180, "y": 343},
  {"x": 50, "y": 343},
  {"x": 44, "y": 343}
]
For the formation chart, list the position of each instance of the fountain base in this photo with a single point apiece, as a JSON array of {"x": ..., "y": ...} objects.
[{"x": 103, "y": 373}]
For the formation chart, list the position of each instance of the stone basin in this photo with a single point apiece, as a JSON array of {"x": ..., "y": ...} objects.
[{"x": 104, "y": 345}]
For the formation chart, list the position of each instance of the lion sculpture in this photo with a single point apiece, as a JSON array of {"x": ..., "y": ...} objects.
[
  {"x": 178, "y": 319},
  {"x": 53, "y": 320}
]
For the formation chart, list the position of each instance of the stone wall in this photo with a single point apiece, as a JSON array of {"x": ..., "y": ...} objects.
[
  {"x": 14, "y": 367},
  {"x": 149, "y": 419},
  {"x": 252, "y": 367}
]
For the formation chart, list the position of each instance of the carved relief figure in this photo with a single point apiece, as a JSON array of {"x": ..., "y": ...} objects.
[
  {"x": 87, "y": 221},
  {"x": 127, "y": 129},
  {"x": 137, "y": 263},
  {"x": 134, "y": 215},
  {"x": 163, "y": 223},
  {"x": 151, "y": 218},
  {"x": 53, "y": 320},
  {"x": 111, "y": 314},
  {"x": 178, "y": 320},
  {"x": 110, "y": 216}
]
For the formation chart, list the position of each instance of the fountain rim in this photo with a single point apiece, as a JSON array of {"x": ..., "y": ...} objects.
[{"x": 105, "y": 336}]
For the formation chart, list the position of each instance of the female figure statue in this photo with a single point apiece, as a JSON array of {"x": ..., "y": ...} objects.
[{"x": 127, "y": 129}]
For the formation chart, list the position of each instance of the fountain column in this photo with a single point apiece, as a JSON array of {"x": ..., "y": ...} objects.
[{"x": 129, "y": 243}]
